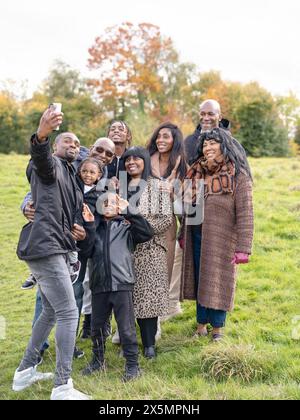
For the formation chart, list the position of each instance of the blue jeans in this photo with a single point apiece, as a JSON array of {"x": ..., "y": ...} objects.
[{"x": 215, "y": 318}]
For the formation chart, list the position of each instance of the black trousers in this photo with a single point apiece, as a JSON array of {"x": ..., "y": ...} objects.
[
  {"x": 79, "y": 292},
  {"x": 148, "y": 329},
  {"x": 122, "y": 305}
]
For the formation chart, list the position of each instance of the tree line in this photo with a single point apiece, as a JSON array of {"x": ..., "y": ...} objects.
[{"x": 136, "y": 75}]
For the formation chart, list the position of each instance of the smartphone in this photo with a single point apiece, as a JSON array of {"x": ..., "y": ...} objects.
[{"x": 56, "y": 107}]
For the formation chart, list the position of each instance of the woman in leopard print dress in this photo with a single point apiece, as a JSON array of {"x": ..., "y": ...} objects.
[{"x": 151, "y": 290}]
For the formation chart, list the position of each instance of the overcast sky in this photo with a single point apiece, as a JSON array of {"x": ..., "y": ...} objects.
[{"x": 244, "y": 39}]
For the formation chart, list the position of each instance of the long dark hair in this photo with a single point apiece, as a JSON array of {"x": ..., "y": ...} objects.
[
  {"x": 230, "y": 148},
  {"x": 141, "y": 153},
  {"x": 177, "y": 150}
]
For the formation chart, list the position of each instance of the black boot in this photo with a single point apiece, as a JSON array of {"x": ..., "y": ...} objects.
[
  {"x": 95, "y": 365},
  {"x": 149, "y": 352},
  {"x": 86, "y": 328},
  {"x": 131, "y": 372}
]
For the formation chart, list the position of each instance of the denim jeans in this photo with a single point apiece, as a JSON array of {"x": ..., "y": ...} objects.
[
  {"x": 37, "y": 312},
  {"x": 78, "y": 292},
  {"x": 59, "y": 307},
  {"x": 215, "y": 318}
]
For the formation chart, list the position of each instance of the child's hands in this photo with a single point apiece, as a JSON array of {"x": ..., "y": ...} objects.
[
  {"x": 172, "y": 177},
  {"x": 87, "y": 214},
  {"x": 29, "y": 211},
  {"x": 122, "y": 205},
  {"x": 114, "y": 184},
  {"x": 78, "y": 233}
]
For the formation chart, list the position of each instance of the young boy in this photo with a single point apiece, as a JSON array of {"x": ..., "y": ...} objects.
[{"x": 112, "y": 279}]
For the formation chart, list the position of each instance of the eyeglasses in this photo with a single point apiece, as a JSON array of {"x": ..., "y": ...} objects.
[{"x": 100, "y": 150}]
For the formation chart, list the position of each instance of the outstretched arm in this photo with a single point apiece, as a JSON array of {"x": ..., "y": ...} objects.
[{"x": 40, "y": 149}]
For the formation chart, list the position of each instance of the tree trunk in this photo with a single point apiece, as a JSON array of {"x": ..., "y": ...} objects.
[{"x": 141, "y": 98}]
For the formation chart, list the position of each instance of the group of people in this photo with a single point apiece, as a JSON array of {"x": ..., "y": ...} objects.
[{"x": 154, "y": 226}]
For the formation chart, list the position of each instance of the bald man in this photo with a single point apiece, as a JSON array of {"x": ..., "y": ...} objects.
[
  {"x": 104, "y": 150},
  {"x": 210, "y": 117}
]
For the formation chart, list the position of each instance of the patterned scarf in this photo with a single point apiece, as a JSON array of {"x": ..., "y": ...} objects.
[{"x": 218, "y": 176}]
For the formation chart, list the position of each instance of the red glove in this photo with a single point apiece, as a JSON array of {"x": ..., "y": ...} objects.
[
  {"x": 240, "y": 258},
  {"x": 181, "y": 242}
]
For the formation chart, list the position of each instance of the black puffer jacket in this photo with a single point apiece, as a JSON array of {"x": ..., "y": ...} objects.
[
  {"x": 112, "y": 252},
  {"x": 58, "y": 205}
]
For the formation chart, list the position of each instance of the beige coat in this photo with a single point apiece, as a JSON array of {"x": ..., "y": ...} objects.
[
  {"x": 227, "y": 228},
  {"x": 171, "y": 233},
  {"x": 151, "y": 290}
]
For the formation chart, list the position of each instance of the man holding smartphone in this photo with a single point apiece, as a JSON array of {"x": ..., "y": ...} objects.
[{"x": 44, "y": 245}]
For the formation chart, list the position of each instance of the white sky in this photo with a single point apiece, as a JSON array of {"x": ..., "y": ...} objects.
[{"x": 244, "y": 39}]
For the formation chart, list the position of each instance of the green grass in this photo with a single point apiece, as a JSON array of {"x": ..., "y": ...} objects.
[{"x": 258, "y": 360}]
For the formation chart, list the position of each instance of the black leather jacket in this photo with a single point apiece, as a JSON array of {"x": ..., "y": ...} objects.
[{"x": 58, "y": 205}]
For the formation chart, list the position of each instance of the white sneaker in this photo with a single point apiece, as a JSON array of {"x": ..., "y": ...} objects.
[
  {"x": 28, "y": 377},
  {"x": 116, "y": 337},
  {"x": 67, "y": 392}
]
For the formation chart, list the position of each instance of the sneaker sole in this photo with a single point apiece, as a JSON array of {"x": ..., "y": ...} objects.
[
  {"x": 78, "y": 357},
  {"x": 19, "y": 388}
]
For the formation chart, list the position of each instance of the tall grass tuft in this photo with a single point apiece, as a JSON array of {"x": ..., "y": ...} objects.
[{"x": 242, "y": 362}]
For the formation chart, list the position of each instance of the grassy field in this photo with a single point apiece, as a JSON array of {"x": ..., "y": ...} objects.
[{"x": 258, "y": 360}]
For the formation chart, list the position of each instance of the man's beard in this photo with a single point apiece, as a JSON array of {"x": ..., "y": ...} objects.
[{"x": 70, "y": 158}]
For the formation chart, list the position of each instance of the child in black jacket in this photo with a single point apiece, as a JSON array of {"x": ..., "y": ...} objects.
[{"x": 112, "y": 279}]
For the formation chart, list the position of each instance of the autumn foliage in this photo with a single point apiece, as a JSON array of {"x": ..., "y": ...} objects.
[
  {"x": 136, "y": 75},
  {"x": 133, "y": 64}
]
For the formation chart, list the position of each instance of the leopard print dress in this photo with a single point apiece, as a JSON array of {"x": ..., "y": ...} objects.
[{"x": 151, "y": 290}]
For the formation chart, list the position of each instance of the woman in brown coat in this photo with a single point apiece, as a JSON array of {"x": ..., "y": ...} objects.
[
  {"x": 224, "y": 239},
  {"x": 151, "y": 289}
]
